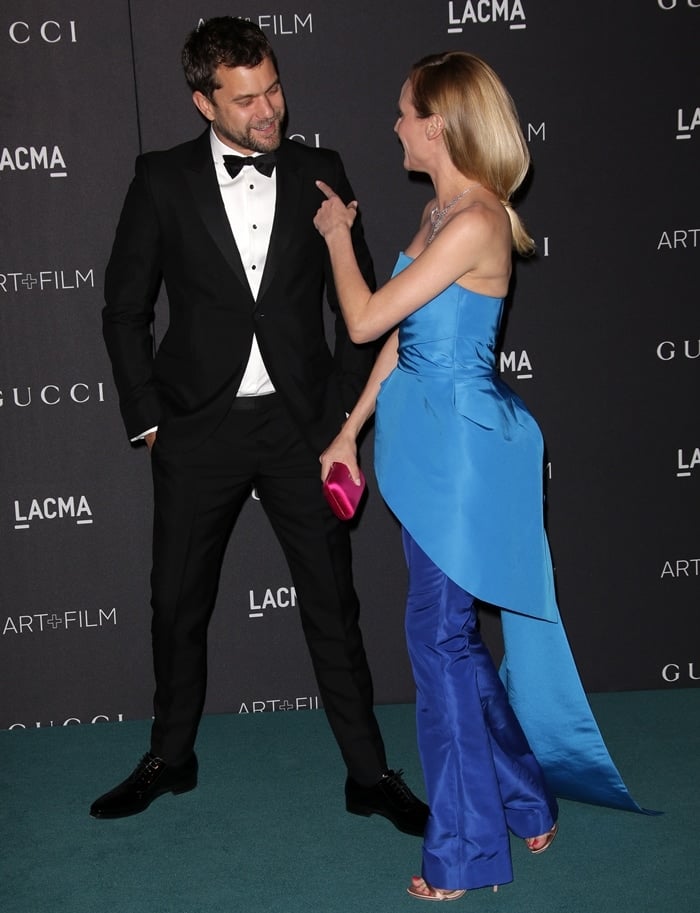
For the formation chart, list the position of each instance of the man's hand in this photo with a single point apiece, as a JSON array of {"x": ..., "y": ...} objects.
[{"x": 150, "y": 439}]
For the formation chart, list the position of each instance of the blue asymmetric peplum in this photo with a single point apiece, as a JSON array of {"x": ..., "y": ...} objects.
[{"x": 459, "y": 460}]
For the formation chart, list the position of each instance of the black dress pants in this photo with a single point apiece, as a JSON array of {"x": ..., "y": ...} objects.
[{"x": 198, "y": 496}]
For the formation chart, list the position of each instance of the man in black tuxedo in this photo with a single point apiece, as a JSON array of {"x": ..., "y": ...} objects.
[{"x": 243, "y": 392}]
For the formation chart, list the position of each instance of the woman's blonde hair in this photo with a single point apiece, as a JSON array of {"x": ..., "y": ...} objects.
[{"x": 481, "y": 129}]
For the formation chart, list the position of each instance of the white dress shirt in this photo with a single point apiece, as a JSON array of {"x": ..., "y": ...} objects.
[{"x": 249, "y": 200}]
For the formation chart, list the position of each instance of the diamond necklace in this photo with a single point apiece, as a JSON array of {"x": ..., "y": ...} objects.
[{"x": 437, "y": 216}]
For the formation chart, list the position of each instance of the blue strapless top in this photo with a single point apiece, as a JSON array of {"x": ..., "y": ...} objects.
[{"x": 460, "y": 459}]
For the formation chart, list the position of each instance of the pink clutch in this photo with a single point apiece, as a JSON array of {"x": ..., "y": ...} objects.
[{"x": 341, "y": 492}]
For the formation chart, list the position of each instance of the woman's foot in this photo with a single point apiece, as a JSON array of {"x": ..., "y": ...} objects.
[
  {"x": 543, "y": 842},
  {"x": 420, "y": 888}
]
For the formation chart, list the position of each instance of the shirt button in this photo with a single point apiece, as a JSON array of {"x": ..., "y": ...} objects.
[{"x": 255, "y": 226}]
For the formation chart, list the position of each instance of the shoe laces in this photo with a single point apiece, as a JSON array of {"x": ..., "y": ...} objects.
[
  {"x": 393, "y": 779},
  {"x": 148, "y": 769}
]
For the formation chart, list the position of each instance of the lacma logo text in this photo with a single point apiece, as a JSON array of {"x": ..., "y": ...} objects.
[
  {"x": 482, "y": 12},
  {"x": 72, "y": 508},
  {"x": 31, "y": 158}
]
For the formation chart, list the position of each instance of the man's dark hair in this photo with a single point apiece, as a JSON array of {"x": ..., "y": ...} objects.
[{"x": 222, "y": 41}]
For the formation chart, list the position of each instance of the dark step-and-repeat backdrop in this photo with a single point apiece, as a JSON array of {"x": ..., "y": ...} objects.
[{"x": 601, "y": 338}]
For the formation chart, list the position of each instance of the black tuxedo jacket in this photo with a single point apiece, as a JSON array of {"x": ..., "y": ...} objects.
[{"x": 173, "y": 229}]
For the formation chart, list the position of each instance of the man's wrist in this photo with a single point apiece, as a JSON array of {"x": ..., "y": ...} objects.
[{"x": 142, "y": 437}]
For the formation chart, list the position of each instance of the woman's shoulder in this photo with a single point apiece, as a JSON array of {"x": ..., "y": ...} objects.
[{"x": 483, "y": 218}]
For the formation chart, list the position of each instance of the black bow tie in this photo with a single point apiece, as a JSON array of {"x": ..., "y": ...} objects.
[{"x": 265, "y": 163}]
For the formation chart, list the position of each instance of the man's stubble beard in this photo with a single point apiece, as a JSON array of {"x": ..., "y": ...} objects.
[{"x": 250, "y": 141}]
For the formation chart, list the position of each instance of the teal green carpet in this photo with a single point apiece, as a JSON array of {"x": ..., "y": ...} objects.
[{"x": 266, "y": 829}]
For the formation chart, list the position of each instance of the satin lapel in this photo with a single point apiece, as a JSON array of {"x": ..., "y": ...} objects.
[
  {"x": 201, "y": 178},
  {"x": 289, "y": 190}
]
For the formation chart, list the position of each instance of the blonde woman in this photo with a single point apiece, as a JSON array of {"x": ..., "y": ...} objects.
[{"x": 459, "y": 460}]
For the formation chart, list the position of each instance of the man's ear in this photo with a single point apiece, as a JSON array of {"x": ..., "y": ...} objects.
[{"x": 203, "y": 105}]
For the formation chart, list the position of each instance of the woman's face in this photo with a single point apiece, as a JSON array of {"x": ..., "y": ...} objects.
[{"x": 411, "y": 131}]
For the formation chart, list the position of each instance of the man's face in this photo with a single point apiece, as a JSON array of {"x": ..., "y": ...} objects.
[{"x": 248, "y": 109}]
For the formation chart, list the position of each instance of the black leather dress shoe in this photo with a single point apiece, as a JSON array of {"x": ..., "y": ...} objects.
[
  {"x": 391, "y": 798},
  {"x": 151, "y": 778}
]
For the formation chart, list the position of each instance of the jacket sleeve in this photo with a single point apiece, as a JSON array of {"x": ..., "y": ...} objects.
[
  {"x": 132, "y": 281},
  {"x": 353, "y": 362}
]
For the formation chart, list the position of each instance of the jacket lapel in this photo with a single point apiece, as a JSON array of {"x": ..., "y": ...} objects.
[
  {"x": 201, "y": 179},
  {"x": 289, "y": 190}
]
